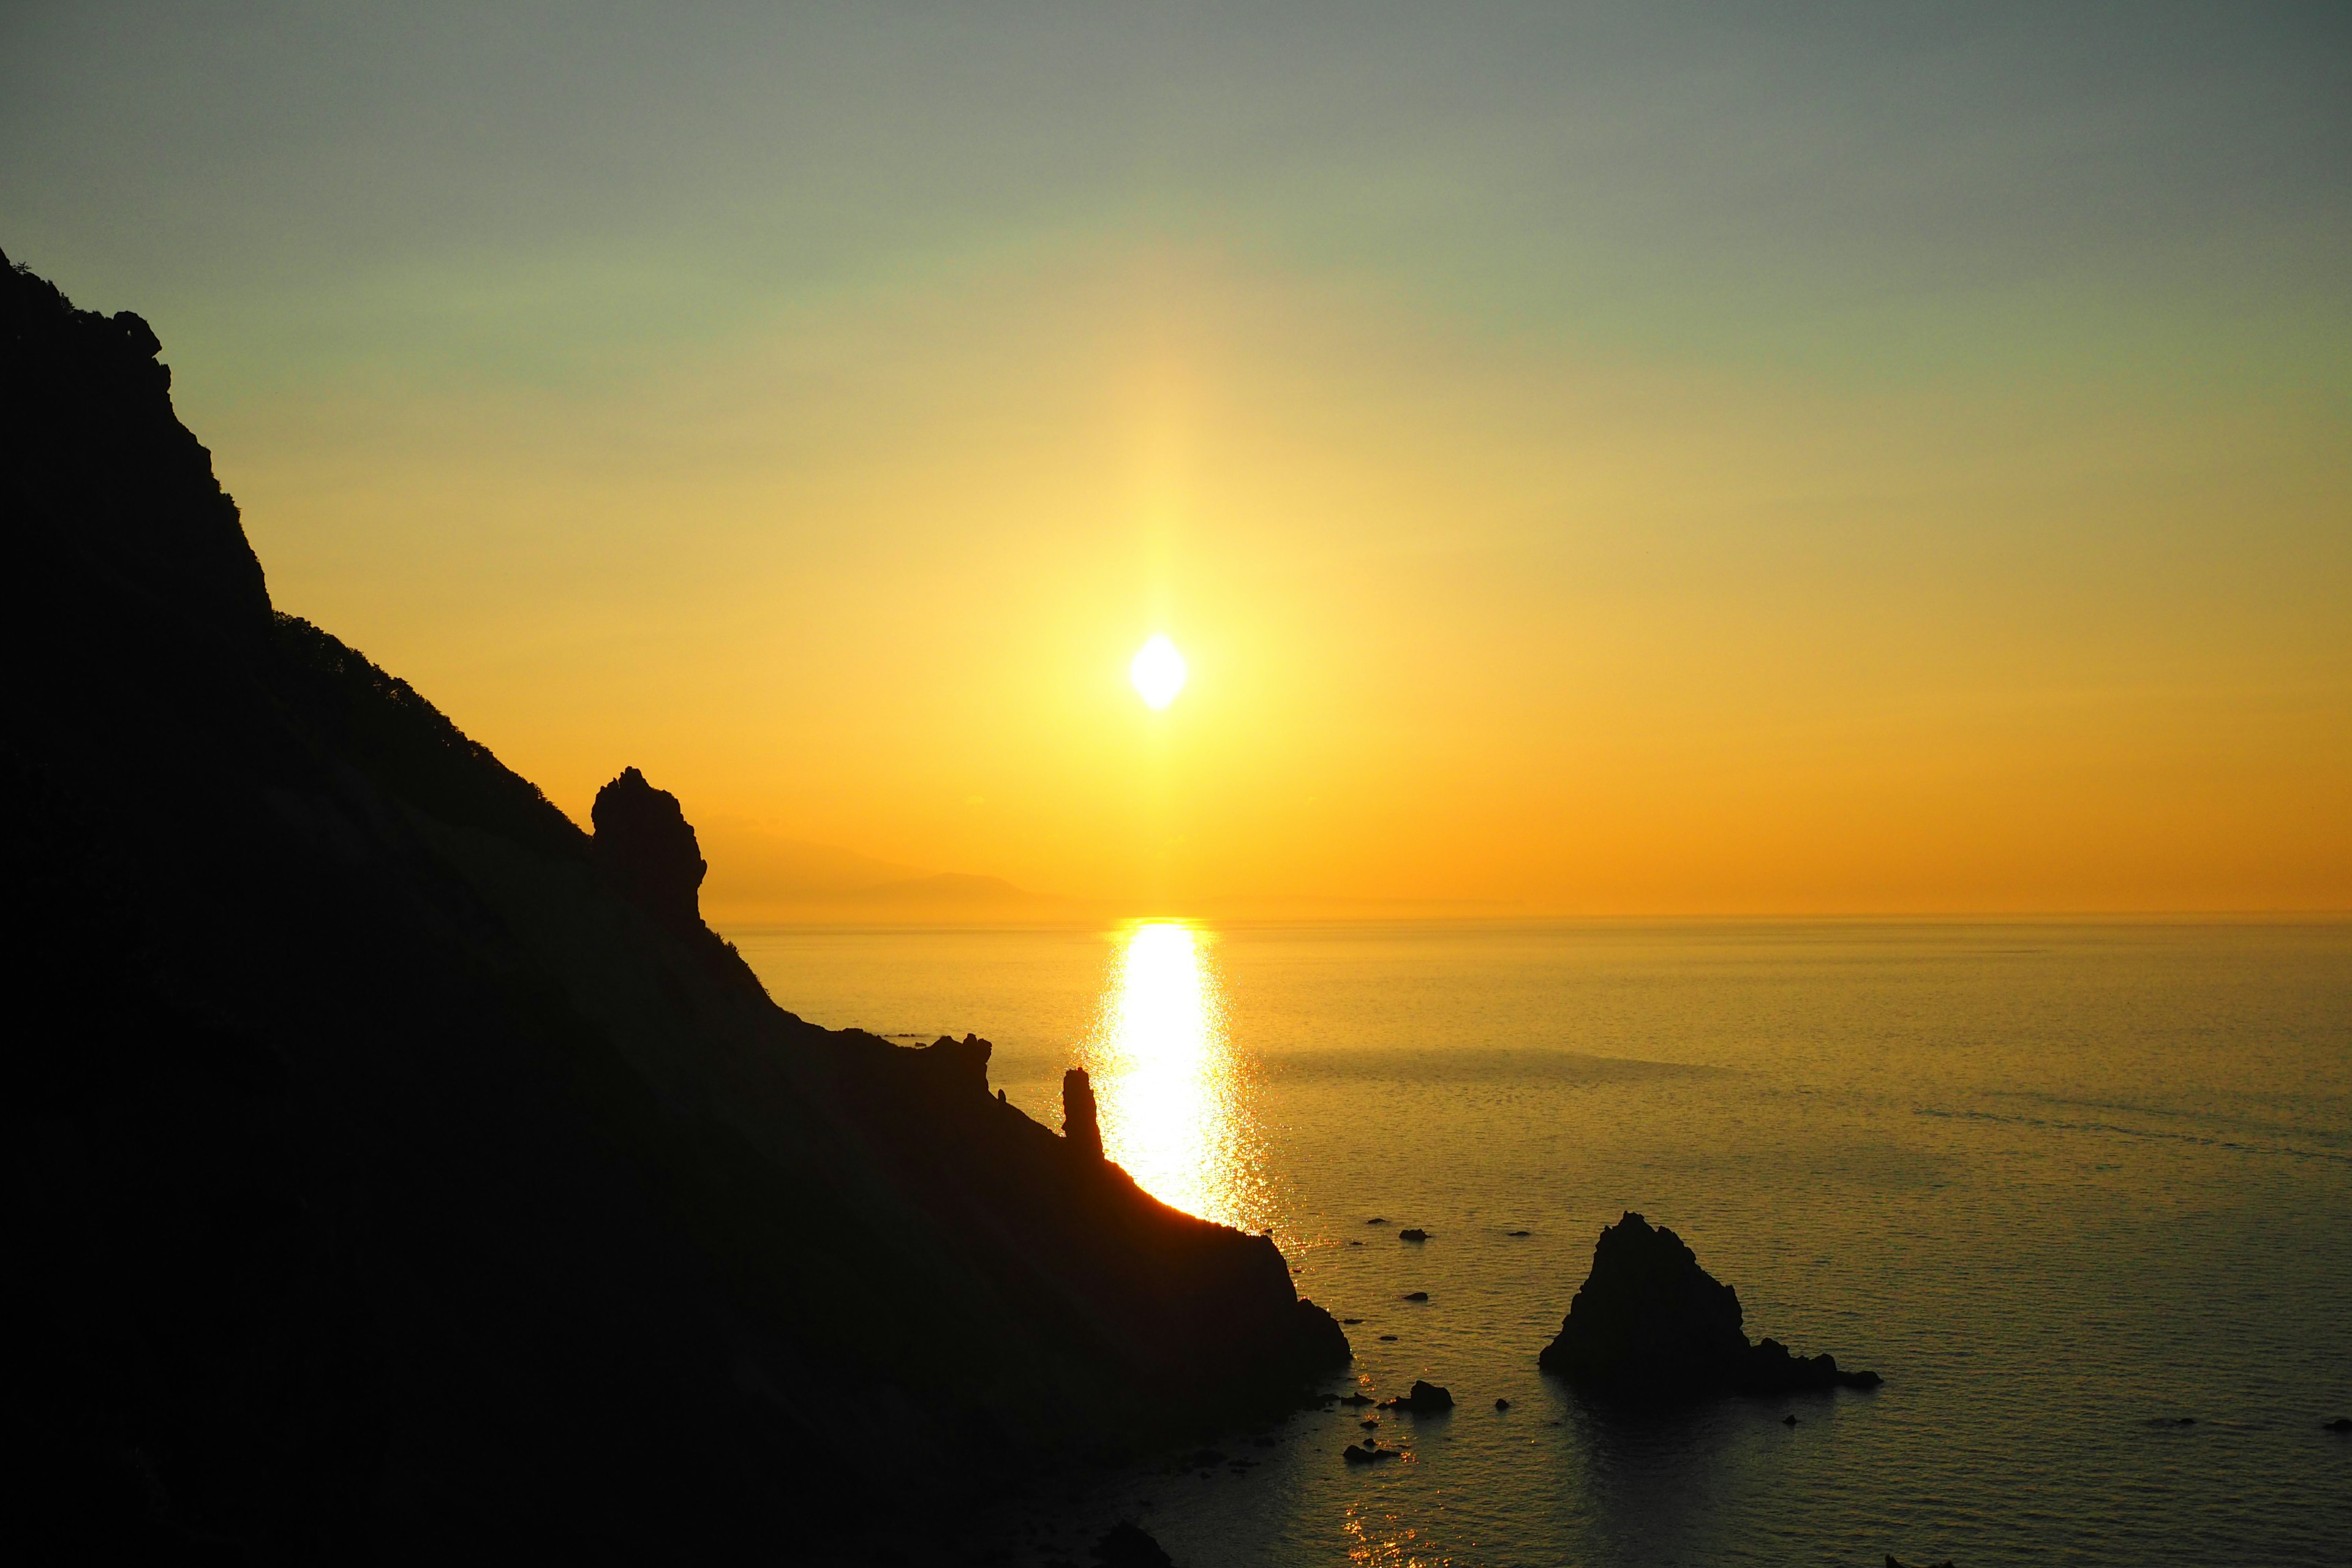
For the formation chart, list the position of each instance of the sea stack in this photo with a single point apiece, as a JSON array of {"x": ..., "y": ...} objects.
[
  {"x": 1078, "y": 1122},
  {"x": 1650, "y": 1324}
]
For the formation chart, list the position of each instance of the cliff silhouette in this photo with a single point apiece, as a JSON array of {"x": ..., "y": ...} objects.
[{"x": 398, "y": 1171}]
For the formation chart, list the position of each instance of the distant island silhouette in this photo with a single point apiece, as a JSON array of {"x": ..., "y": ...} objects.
[
  {"x": 404, "y": 1172},
  {"x": 760, "y": 877}
]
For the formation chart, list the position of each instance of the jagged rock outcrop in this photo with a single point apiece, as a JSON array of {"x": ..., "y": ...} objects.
[
  {"x": 647, "y": 847},
  {"x": 399, "y": 1173},
  {"x": 84, "y": 392},
  {"x": 1079, "y": 1122},
  {"x": 1649, "y": 1323},
  {"x": 961, "y": 1063}
]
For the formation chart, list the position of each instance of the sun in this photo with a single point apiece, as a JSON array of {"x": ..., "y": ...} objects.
[{"x": 1158, "y": 672}]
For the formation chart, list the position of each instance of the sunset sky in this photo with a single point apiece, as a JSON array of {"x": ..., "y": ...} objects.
[{"x": 1871, "y": 457}]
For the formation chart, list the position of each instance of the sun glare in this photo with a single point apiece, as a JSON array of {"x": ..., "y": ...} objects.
[
  {"x": 1174, "y": 1098},
  {"x": 1158, "y": 672}
]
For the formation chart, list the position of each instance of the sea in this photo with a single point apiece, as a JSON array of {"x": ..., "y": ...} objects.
[{"x": 2081, "y": 1192}]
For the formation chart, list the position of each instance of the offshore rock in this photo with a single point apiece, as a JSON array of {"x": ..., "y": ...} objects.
[
  {"x": 1078, "y": 1120},
  {"x": 1422, "y": 1399},
  {"x": 1650, "y": 1324}
]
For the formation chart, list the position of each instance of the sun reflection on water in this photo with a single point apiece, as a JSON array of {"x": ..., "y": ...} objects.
[{"x": 1174, "y": 1101}]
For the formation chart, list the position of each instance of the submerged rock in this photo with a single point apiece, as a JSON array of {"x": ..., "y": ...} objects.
[
  {"x": 2341, "y": 1423},
  {"x": 1416, "y": 1295},
  {"x": 1650, "y": 1323},
  {"x": 1413, "y": 1233},
  {"x": 1369, "y": 1453}
]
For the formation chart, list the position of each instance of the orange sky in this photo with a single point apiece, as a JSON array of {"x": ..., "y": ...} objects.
[{"x": 1867, "y": 487}]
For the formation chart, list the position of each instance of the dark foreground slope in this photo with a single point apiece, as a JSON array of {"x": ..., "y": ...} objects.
[{"x": 395, "y": 1171}]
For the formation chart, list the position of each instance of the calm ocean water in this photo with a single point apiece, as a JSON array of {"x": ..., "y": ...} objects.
[{"x": 2083, "y": 1192}]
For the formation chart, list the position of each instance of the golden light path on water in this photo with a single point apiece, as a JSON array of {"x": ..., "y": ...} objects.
[{"x": 1171, "y": 1092}]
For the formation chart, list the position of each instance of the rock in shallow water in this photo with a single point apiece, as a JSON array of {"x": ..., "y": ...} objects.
[
  {"x": 1650, "y": 1324},
  {"x": 1425, "y": 1399}
]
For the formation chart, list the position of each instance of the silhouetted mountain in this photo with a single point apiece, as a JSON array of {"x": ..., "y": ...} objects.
[
  {"x": 950, "y": 894},
  {"x": 398, "y": 1172},
  {"x": 755, "y": 870},
  {"x": 1650, "y": 1324}
]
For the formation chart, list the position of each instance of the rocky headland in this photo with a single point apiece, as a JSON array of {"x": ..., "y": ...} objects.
[
  {"x": 1649, "y": 1325},
  {"x": 401, "y": 1173}
]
